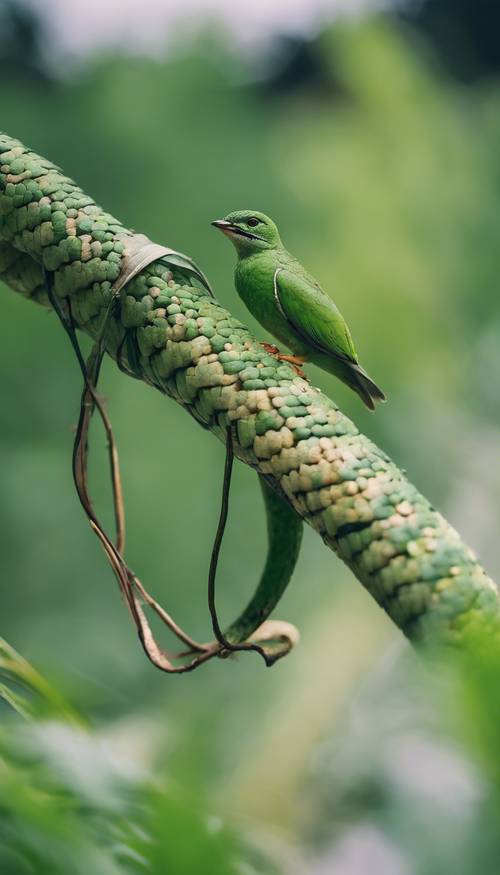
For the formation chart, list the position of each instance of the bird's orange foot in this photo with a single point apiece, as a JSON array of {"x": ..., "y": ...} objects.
[
  {"x": 295, "y": 361},
  {"x": 271, "y": 349}
]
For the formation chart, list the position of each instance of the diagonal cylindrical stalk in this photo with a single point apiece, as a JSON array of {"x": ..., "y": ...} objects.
[{"x": 169, "y": 331}]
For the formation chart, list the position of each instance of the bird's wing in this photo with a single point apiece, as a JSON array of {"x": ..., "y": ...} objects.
[{"x": 313, "y": 315}]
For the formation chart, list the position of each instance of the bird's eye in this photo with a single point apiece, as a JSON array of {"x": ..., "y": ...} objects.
[{"x": 253, "y": 222}]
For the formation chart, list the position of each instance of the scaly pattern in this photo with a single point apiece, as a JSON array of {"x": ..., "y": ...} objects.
[{"x": 171, "y": 333}]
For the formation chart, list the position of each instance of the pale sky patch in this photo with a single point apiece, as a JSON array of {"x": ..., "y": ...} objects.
[{"x": 150, "y": 25}]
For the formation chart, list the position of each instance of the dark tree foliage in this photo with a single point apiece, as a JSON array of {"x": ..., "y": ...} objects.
[
  {"x": 21, "y": 41},
  {"x": 464, "y": 33},
  {"x": 300, "y": 67}
]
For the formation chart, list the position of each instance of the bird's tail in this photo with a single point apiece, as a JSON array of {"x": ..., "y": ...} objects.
[{"x": 367, "y": 390}]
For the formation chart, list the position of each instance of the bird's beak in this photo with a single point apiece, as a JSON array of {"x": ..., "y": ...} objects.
[
  {"x": 229, "y": 228},
  {"x": 223, "y": 225}
]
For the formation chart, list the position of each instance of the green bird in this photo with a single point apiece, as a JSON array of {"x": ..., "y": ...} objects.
[{"x": 290, "y": 304}]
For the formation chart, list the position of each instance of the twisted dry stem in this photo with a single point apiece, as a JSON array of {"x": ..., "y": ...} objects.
[
  {"x": 173, "y": 335},
  {"x": 128, "y": 582}
]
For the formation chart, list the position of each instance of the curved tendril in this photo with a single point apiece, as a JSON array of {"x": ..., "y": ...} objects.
[
  {"x": 284, "y": 533},
  {"x": 127, "y": 580},
  {"x": 227, "y": 646}
]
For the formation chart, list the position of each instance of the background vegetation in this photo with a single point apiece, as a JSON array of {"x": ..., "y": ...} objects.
[{"x": 375, "y": 146}]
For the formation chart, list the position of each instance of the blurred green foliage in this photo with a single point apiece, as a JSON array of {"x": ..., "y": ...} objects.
[{"x": 385, "y": 182}]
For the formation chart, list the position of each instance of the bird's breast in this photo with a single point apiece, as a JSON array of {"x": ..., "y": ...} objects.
[
  {"x": 254, "y": 280},
  {"x": 254, "y": 284}
]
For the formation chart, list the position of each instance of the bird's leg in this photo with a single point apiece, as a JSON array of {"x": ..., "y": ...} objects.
[
  {"x": 271, "y": 349},
  {"x": 295, "y": 361}
]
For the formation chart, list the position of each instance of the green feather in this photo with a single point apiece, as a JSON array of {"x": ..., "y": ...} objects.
[{"x": 313, "y": 315}]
